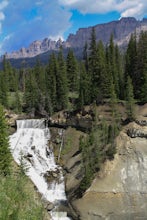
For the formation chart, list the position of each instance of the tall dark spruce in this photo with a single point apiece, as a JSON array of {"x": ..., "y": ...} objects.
[{"x": 5, "y": 155}]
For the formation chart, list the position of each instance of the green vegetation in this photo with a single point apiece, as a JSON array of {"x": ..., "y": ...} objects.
[
  {"x": 98, "y": 146},
  {"x": 104, "y": 75},
  {"x": 5, "y": 156},
  {"x": 17, "y": 200}
]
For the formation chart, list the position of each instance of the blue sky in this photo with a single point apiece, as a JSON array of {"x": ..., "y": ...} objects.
[{"x": 24, "y": 21}]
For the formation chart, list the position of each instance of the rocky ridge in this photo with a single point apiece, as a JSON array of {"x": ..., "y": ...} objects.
[
  {"x": 37, "y": 47},
  {"x": 121, "y": 30}
]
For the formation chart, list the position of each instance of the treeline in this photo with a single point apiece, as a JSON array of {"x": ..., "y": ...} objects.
[{"x": 66, "y": 83}]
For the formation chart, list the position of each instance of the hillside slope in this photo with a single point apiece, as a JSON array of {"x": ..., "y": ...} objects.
[{"x": 119, "y": 189}]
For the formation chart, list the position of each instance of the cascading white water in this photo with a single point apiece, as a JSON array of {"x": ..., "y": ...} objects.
[{"x": 30, "y": 142}]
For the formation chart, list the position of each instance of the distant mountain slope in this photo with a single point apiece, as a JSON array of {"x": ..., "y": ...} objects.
[{"x": 121, "y": 30}]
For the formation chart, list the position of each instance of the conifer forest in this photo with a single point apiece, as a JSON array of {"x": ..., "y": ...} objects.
[{"x": 105, "y": 74}]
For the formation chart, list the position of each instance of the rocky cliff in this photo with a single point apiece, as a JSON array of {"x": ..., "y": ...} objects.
[
  {"x": 121, "y": 30},
  {"x": 37, "y": 47},
  {"x": 119, "y": 190}
]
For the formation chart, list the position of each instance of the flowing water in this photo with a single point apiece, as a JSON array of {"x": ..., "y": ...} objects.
[{"x": 30, "y": 143}]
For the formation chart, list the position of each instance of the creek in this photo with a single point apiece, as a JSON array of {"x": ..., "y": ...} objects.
[{"x": 30, "y": 144}]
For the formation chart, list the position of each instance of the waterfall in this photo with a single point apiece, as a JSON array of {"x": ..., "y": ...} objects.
[{"x": 30, "y": 142}]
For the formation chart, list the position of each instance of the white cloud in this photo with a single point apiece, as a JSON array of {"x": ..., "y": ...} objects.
[
  {"x": 2, "y": 16},
  {"x": 56, "y": 37},
  {"x": 39, "y": 3},
  {"x": 127, "y": 8},
  {"x": 3, "y": 4},
  {"x": 33, "y": 20},
  {"x": 0, "y": 28}
]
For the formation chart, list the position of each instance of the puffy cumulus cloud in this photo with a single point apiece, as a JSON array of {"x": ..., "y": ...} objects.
[
  {"x": 3, "y": 5},
  {"x": 2, "y": 16},
  {"x": 26, "y": 21},
  {"x": 90, "y": 6},
  {"x": 127, "y": 8}
]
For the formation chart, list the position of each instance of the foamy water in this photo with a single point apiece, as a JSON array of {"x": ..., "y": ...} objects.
[{"x": 30, "y": 142}]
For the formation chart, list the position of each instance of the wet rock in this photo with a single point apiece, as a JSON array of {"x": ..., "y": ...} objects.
[
  {"x": 142, "y": 122},
  {"x": 133, "y": 133},
  {"x": 49, "y": 206},
  {"x": 29, "y": 155},
  {"x": 33, "y": 148},
  {"x": 51, "y": 175},
  {"x": 134, "y": 130}
]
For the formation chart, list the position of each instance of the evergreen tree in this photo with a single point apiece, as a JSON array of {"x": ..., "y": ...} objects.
[
  {"x": 18, "y": 104},
  {"x": 6, "y": 72},
  {"x": 31, "y": 95},
  {"x": 84, "y": 92},
  {"x": 93, "y": 67},
  {"x": 103, "y": 82},
  {"x": 120, "y": 70},
  {"x": 3, "y": 89},
  {"x": 140, "y": 66},
  {"x": 143, "y": 95},
  {"x": 5, "y": 156},
  {"x": 112, "y": 64},
  {"x": 131, "y": 61},
  {"x": 85, "y": 56},
  {"x": 51, "y": 72},
  {"x": 39, "y": 76},
  {"x": 72, "y": 72},
  {"x": 113, "y": 100},
  {"x": 130, "y": 99},
  {"x": 61, "y": 83}
]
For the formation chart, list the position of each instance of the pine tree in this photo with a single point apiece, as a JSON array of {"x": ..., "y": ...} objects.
[
  {"x": 5, "y": 156},
  {"x": 85, "y": 56},
  {"x": 104, "y": 79},
  {"x": 72, "y": 72},
  {"x": 113, "y": 100},
  {"x": 51, "y": 72},
  {"x": 143, "y": 94},
  {"x": 130, "y": 99},
  {"x": 140, "y": 65},
  {"x": 6, "y": 72},
  {"x": 112, "y": 64},
  {"x": 3, "y": 90},
  {"x": 61, "y": 83},
  {"x": 18, "y": 104},
  {"x": 131, "y": 61},
  {"x": 93, "y": 67},
  {"x": 120, "y": 70},
  {"x": 31, "y": 94},
  {"x": 84, "y": 92}
]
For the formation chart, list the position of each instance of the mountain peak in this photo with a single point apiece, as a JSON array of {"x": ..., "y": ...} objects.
[{"x": 121, "y": 30}]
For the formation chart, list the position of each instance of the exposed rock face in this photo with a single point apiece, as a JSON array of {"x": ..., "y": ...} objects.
[
  {"x": 119, "y": 191},
  {"x": 121, "y": 30},
  {"x": 36, "y": 47}
]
